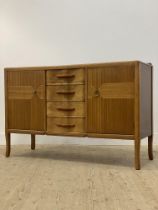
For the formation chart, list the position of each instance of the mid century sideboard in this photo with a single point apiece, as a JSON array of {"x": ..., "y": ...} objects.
[{"x": 106, "y": 100}]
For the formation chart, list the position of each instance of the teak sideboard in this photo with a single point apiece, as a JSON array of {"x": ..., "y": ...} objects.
[{"x": 107, "y": 100}]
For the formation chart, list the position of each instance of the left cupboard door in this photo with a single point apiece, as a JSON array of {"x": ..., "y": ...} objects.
[{"x": 25, "y": 100}]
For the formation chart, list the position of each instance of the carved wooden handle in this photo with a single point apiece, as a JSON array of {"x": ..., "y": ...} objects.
[
  {"x": 65, "y": 76},
  {"x": 66, "y": 92},
  {"x": 66, "y": 125},
  {"x": 65, "y": 109}
]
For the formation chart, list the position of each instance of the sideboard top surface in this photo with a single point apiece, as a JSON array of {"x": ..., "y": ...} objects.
[{"x": 90, "y": 65}]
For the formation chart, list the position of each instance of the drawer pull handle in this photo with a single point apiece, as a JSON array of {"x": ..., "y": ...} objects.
[
  {"x": 66, "y": 109},
  {"x": 66, "y": 92},
  {"x": 65, "y": 76},
  {"x": 66, "y": 125}
]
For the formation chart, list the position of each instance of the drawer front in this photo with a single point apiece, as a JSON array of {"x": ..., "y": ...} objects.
[
  {"x": 65, "y": 125},
  {"x": 65, "y": 109},
  {"x": 65, "y": 76},
  {"x": 65, "y": 93}
]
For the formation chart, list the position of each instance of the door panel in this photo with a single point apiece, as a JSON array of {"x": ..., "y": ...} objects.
[
  {"x": 111, "y": 100},
  {"x": 26, "y": 100}
]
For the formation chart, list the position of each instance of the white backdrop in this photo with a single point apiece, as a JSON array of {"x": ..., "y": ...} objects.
[{"x": 56, "y": 32}]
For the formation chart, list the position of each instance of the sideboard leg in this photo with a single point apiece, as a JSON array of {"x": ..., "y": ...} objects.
[
  {"x": 7, "y": 135},
  {"x": 150, "y": 147},
  {"x": 137, "y": 153},
  {"x": 32, "y": 141}
]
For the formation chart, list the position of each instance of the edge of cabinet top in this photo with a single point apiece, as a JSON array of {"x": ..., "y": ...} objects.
[{"x": 72, "y": 66}]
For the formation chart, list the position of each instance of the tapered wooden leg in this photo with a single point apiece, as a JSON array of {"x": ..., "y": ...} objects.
[
  {"x": 137, "y": 154},
  {"x": 32, "y": 141},
  {"x": 7, "y": 144},
  {"x": 150, "y": 147}
]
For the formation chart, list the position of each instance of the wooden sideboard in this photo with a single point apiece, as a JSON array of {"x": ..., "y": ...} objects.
[{"x": 107, "y": 100}]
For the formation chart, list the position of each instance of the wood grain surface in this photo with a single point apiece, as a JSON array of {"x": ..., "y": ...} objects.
[
  {"x": 107, "y": 100},
  {"x": 67, "y": 125},
  {"x": 65, "y": 76},
  {"x": 65, "y": 93},
  {"x": 65, "y": 109},
  {"x": 26, "y": 100},
  {"x": 111, "y": 100}
]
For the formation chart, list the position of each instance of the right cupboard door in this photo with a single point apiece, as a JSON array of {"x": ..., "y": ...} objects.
[{"x": 110, "y": 104}]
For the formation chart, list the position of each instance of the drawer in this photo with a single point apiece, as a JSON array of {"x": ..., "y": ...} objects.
[
  {"x": 65, "y": 93},
  {"x": 65, "y": 109},
  {"x": 65, "y": 76},
  {"x": 65, "y": 125}
]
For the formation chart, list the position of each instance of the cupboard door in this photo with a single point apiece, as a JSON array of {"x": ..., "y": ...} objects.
[
  {"x": 110, "y": 105},
  {"x": 26, "y": 99}
]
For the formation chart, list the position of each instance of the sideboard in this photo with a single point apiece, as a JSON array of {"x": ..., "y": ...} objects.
[{"x": 104, "y": 100}]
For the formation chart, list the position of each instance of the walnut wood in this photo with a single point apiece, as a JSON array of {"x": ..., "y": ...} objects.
[
  {"x": 137, "y": 142},
  {"x": 65, "y": 125},
  {"x": 59, "y": 93},
  {"x": 106, "y": 100},
  {"x": 111, "y": 136},
  {"x": 150, "y": 138},
  {"x": 75, "y": 134},
  {"x": 26, "y": 131},
  {"x": 150, "y": 147},
  {"x": 33, "y": 142},
  {"x": 73, "y": 67},
  {"x": 66, "y": 92},
  {"x": 115, "y": 101},
  {"x": 26, "y": 110},
  {"x": 65, "y": 76},
  {"x": 25, "y": 92},
  {"x": 86, "y": 99},
  {"x": 66, "y": 109},
  {"x": 8, "y": 135},
  {"x": 145, "y": 100},
  {"x": 117, "y": 90}
]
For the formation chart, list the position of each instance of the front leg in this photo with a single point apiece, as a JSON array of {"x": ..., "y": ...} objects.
[
  {"x": 137, "y": 153},
  {"x": 33, "y": 142},
  {"x": 7, "y": 135},
  {"x": 150, "y": 147}
]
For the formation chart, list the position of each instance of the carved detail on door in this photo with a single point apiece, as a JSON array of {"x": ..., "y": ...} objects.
[
  {"x": 117, "y": 90},
  {"x": 25, "y": 92}
]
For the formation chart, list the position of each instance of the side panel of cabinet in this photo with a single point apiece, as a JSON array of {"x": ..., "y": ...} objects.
[
  {"x": 25, "y": 95},
  {"x": 110, "y": 105},
  {"x": 146, "y": 88}
]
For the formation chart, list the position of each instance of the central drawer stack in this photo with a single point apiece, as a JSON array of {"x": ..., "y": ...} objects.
[{"x": 65, "y": 101}]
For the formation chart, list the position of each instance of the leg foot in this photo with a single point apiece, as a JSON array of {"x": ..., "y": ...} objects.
[
  {"x": 137, "y": 154},
  {"x": 7, "y": 144},
  {"x": 150, "y": 147},
  {"x": 32, "y": 141}
]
